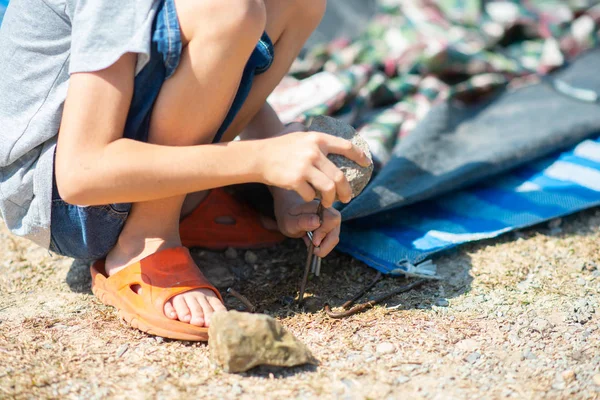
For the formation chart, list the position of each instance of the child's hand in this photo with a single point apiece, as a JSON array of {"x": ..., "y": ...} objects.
[
  {"x": 296, "y": 217},
  {"x": 298, "y": 161}
]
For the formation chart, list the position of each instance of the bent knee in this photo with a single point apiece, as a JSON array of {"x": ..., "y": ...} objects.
[
  {"x": 309, "y": 12},
  {"x": 240, "y": 19},
  {"x": 245, "y": 17}
]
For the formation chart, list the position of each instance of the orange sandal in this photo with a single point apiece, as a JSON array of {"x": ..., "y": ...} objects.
[
  {"x": 207, "y": 225},
  {"x": 160, "y": 276}
]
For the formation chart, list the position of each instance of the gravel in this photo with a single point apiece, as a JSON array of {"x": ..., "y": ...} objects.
[
  {"x": 519, "y": 326},
  {"x": 251, "y": 257},
  {"x": 385, "y": 348},
  {"x": 231, "y": 253},
  {"x": 442, "y": 303}
]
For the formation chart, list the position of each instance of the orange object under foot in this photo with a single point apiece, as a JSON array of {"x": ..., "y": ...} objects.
[
  {"x": 221, "y": 221},
  {"x": 140, "y": 291}
]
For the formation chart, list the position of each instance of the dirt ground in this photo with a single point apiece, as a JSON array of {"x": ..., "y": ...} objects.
[{"x": 512, "y": 318}]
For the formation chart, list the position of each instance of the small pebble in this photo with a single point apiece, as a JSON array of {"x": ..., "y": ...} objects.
[
  {"x": 442, "y": 303},
  {"x": 287, "y": 300},
  {"x": 65, "y": 390},
  {"x": 528, "y": 354},
  {"x": 468, "y": 345},
  {"x": 402, "y": 379},
  {"x": 385, "y": 348},
  {"x": 312, "y": 304},
  {"x": 590, "y": 266},
  {"x": 236, "y": 390},
  {"x": 474, "y": 356},
  {"x": 555, "y": 223},
  {"x": 568, "y": 376},
  {"x": 231, "y": 253},
  {"x": 596, "y": 379},
  {"x": 250, "y": 257},
  {"x": 581, "y": 282},
  {"x": 541, "y": 325},
  {"x": 122, "y": 350},
  {"x": 159, "y": 339}
]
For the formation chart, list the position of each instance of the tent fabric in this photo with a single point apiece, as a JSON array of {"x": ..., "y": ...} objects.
[
  {"x": 456, "y": 145},
  {"x": 395, "y": 242},
  {"x": 344, "y": 18},
  {"x": 449, "y": 94}
]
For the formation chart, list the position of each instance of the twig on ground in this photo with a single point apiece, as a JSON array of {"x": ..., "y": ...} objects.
[
  {"x": 372, "y": 303},
  {"x": 353, "y": 300},
  {"x": 310, "y": 260},
  {"x": 250, "y": 307},
  {"x": 311, "y": 249}
]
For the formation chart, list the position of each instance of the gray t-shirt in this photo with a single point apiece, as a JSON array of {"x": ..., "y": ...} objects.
[{"x": 42, "y": 42}]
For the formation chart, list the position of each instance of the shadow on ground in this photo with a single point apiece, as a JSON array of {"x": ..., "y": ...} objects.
[
  {"x": 79, "y": 278},
  {"x": 270, "y": 278}
]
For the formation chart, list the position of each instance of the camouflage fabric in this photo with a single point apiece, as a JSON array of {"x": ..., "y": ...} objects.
[{"x": 418, "y": 53}]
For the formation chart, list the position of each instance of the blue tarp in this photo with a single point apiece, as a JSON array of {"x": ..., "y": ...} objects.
[
  {"x": 3, "y": 4},
  {"x": 396, "y": 241},
  {"x": 420, "y": 203}
]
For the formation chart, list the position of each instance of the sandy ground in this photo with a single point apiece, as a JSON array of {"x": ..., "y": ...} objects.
[{"x": 514, "y": 317}]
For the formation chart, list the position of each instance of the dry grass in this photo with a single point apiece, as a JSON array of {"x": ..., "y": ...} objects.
[{"x": 522, "y": 312}]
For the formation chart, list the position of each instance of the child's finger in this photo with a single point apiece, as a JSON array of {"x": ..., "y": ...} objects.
[
  {"x": 342, "y": 187},
  {"x": 329, "y": 243},
  {"x": 323, "y": 184},
  {"x": 347, "y": 149},
  {"x": 306, "y": 191},
  {"x": 296, "y": 225},
  {"x": 331, "y": 219}
]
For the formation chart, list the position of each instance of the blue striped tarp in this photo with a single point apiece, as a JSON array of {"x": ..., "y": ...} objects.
[
  {"x": 3, "y": 4},
  {"x": 395, "y": 242}
]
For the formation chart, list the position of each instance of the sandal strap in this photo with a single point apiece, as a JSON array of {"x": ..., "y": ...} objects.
[{"x": 161, "y": 276}]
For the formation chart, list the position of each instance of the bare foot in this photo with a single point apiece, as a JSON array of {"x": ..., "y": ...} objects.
[{"x": 195, "y": 307}]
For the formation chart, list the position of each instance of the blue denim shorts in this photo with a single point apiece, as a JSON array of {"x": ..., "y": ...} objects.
[{"x": 89, "y": 233}]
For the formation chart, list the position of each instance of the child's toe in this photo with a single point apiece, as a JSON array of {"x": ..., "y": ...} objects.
[
  {"x": 181, "y": 307},
  {"x": 206, "y": 307},
  {"x": 216, "y": 304},
  {"x": 197, "y": 311},
  {"x": 170, "y": 310}
]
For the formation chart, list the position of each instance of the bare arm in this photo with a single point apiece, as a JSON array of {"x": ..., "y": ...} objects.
[{"x": 95, "y": 165}]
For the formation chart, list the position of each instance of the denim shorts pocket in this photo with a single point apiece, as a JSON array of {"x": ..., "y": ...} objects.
[
  {"x": 263, "y": 55},
  {"x": 118, "y": 210},
  {"x": 86, "y": 233}
]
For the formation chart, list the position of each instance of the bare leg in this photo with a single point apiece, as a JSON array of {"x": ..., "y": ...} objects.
[
  {"x": 218, "y": 38},
  {"x": 289, "y": 25}
]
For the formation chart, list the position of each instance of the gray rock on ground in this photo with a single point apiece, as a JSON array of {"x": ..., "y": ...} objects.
[
  {"x": 241, "y": 341},
  {"x": 357, "y": 176}
]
